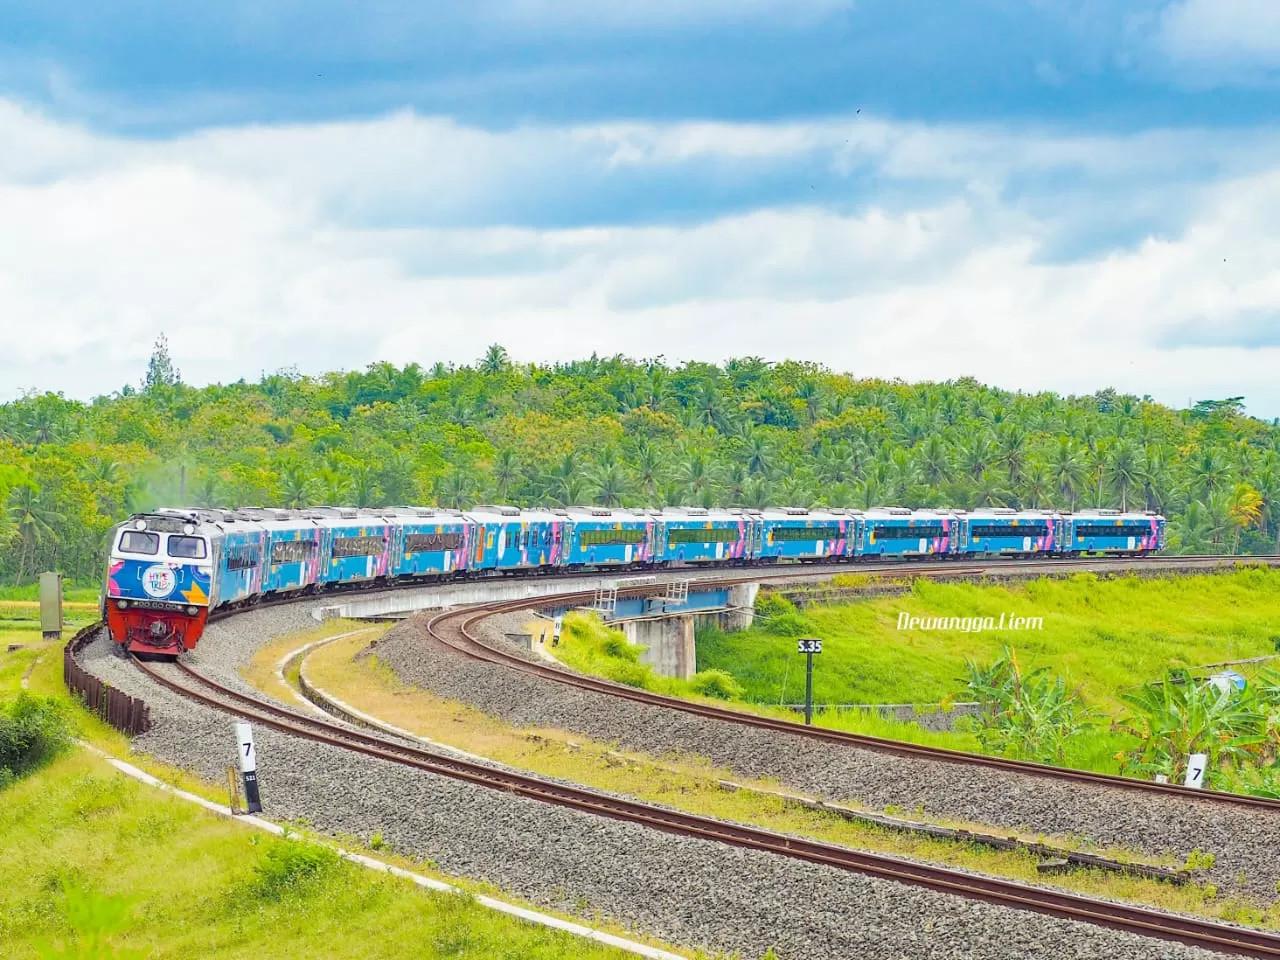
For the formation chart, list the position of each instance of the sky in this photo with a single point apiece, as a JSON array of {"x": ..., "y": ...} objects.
[{"x": 1039, "y": 194}]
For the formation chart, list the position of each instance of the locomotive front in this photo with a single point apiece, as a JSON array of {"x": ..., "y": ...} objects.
[{"x": 158, "y": 583}]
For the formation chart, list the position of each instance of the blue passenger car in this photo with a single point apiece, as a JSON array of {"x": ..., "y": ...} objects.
[
  {"x": 1110, "y": 531},
  {"x": 427, "y": 542},
  {"x": 295, "y": 552},
  {"x": 239, "y": 554},
  {"x": 800, "y": 534},
  {"x": 603, "y": 537},
  {"x": 357, "y": 546},
  {"x": 997, "y": 531},
  {"x": 506, "y": 538},
  {"x": 898, "y": 532},
  {"x": 697, "y": 535}
]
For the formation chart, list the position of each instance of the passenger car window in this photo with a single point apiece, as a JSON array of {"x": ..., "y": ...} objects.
[
  {"x": 139, "y": 541},
  {"x": 188, "y": 548}
]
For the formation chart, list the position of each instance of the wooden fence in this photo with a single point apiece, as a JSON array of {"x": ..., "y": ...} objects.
[{"x": 127, "y": 714}]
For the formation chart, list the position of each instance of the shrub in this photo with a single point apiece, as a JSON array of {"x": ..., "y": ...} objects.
[
  {"x": 716, "y": 683},
  {"x": 632, "y": 674},
  {"x": 290, "y": 867},
  {"x": 1028, "y": 715},
  {"x": 33, "y": 730},
  {"x": 770, "y": 605}
]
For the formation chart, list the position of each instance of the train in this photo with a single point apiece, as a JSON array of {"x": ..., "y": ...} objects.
[{"x": 170, "y": 568}]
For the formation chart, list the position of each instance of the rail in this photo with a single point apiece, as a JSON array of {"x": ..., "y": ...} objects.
[{"x": 1136, "y": 920}]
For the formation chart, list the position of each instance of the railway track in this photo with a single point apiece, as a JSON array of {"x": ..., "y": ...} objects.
[
  {"x": 456, "y": 629},
  {"x": 1141, "y": 921}
]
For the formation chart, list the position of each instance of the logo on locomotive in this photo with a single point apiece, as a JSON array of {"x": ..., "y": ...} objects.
[{"x": 158, "y": 581}]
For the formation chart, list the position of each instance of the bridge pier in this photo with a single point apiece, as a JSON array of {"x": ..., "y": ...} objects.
[
  {"x": 742, "y": 607},
  {"x": 668, "y": 642}
]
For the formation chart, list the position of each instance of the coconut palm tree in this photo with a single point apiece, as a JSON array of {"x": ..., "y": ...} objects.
[
  {"x": 35, "y": 521},
  {"x": 296, "y": 486},
  {"x": 506, "y": 471},
  {"x": 1067, "y": 470},
  {"x": 1124, "y": 469},
  {"x": 934, "y": 461},
  {"x": 495, "y": 360},
  {"x": 611, "y": 484}
]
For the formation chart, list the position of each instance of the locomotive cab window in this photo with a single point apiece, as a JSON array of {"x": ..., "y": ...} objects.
[
  {"x": 140, "y": 541},
  {"x": 187, "y": 548}
]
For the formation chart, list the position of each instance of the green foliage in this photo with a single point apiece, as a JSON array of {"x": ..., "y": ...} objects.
[
  {"x": 33, "y": 730},
  {"x": 291, "y": 868},
  {"x": 718, "y": 684},
  {"x": 1238, "y": 730},
  {"x": 780, "y": 616},
  {"x": 615, "y": 431},
  {"x": 1031, "y": 716}
]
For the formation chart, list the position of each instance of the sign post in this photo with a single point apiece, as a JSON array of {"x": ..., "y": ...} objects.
[
  {"x": 808, "y": 646},
  {"x": 556, "y": 626},
  {"x": 247, "y": 756},
  {"x": 51, "y": 605},
  {"x": 1196, "y": 764}
]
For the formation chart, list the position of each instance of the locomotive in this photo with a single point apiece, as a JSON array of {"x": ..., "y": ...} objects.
[{"x": 168, "y": 569}]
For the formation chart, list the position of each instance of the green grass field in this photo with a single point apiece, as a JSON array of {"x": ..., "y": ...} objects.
[
  {"x": 1104, "y": 636},
  {"x": 98, "y": 865}
]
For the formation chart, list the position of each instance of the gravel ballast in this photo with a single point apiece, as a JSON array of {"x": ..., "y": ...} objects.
[
  {"x": 1242, "y": 840},
  {"x": 685, "y": 891}
]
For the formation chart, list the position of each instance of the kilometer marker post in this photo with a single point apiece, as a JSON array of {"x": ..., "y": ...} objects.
[
  {"x": 808, "y": 646},
  {"x": 247, "y": 757}
]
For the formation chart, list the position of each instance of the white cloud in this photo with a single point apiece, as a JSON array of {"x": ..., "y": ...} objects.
[
  {"x": 1231, "y": 34},
  {"x": 255, "y": 249}
]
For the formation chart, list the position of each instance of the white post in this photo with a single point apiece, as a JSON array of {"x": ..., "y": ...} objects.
[
  {"x": 247, "y": 757},
  {"x": 1196, "y": 764}
]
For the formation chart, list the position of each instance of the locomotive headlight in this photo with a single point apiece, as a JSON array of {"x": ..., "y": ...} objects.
[
  {"x": 192, "y": 611},
  {"x": 139, "y": 524},
  {"x": 188, "y": 528},
  {"x": 122, "y": 604}
]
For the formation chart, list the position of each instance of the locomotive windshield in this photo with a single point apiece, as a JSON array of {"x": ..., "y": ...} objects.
[
  {"x": 186, "y": 548},
  {"x": 140, "y": 541}
]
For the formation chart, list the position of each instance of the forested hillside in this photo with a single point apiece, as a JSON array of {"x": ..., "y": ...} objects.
[{"x": 617, "y": 431}]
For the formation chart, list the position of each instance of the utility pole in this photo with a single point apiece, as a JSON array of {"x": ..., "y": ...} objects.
[{"x": 808, "y": 646}]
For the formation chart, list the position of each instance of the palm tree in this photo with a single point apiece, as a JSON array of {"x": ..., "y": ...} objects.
[
  {"x": 1245, "y": 510},
  {"x": 1125, "y": 469},
  {"x": 456, "y": 489},
  {"x": 698, "y": 473},
  {"x": 934, "y": 461},
  {"x": 364, "y": 486},
  {"x": 1208, "y": 473},
  {"x": 759, "y": 453},
  {"x": 506, "y": 470},
  {"x": 495, "y": 360},
  {"x": 903, "y": 476},
  {"x": 810, "y": 393},
  {"x": 646, "y": 465},
  {"x": 1067, "y": 470},
  {"x": 611, "y": 484},
  {"x": 295, "y": 486},
  {"x": 1011, "y": 447},
  {"x": 36, "y": 524},
  {"x": 976, "y": 456}
]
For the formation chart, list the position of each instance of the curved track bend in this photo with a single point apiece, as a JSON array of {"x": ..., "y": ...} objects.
[{"x": 1136, "y": 920}]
